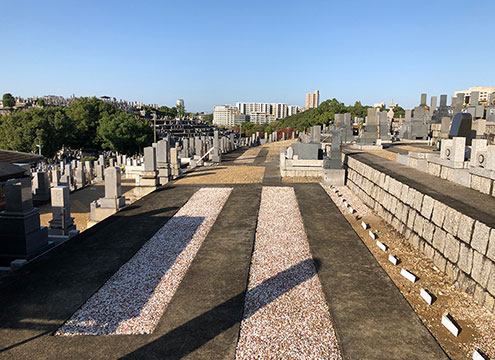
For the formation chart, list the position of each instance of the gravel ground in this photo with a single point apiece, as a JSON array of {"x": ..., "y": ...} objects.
[
  {"x": 477, "y": 323},
  {"x": 285, "y": 312},
  {"x": 133, "y": 300},
  {"x": 225, "y": 175}
]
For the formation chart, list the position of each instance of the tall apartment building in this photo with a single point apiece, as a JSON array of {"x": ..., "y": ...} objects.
[
  {"x": 273, "y": 111},
  {"x": 313, "y": 100},
  {"x": 226, "y": 115}
]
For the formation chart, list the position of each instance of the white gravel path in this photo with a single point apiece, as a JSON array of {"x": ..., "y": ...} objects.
[
  {"x": 133, "y": 300},
  {"x": 285, "y": 312}
]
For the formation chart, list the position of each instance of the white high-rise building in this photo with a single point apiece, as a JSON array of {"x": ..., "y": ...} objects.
[
  {"x": 179, "y": 102},
  {"x": 273, "y": 111},
  {"x": 226, "y": 115}
]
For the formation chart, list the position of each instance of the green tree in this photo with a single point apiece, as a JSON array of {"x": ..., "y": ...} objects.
[
  {"x": 41, "y": 102},
  {"x": 86, "y": 114},
  {"x": 181, "y": 110},
  {"x": 399, "y": 111},
  {"x": 8, "y": 100},
  {"x": 124, "y": 133}
]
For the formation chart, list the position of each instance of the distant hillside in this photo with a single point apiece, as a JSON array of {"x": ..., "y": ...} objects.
[{"x": 323, "y": 114}]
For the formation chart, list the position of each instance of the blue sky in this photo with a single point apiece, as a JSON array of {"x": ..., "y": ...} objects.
[{"x": 219, "y": 52}]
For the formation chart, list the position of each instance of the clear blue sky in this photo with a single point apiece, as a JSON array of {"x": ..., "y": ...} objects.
[{"x": 219, "y": 52}]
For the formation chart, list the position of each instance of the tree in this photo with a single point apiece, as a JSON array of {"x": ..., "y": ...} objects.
[
  {"x": 181, "y": 110},
  {"x": 124, "y": 133},
  {"x": 41, "y": 102},
  {"x": 399, "y": 111},
  {"x": 8, "y": 100}
]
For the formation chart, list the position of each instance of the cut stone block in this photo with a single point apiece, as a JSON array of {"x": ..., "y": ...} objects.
[
  {"x": 381, "y": 245},
  {"x": 491, "y": 246},
  {"x": 466, "y": 225},
  {"x": 351, "y": 210},
  {"x": 425, "y": 294},
  {"x": 408, "y": 275},
  {"x": 364, "y": 225},
  {"x": 372, "y": 235},
  {"x": 450, "y": 325},
  {"x": 480, "y": 238}
]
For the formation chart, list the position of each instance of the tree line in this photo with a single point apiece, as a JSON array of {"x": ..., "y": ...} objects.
[
  {"x": 88, "y": 123},
  {"x": 323, "y": 114}
]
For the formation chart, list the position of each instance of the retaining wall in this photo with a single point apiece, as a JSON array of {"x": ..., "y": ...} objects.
[{"x": 460, "y": 246}]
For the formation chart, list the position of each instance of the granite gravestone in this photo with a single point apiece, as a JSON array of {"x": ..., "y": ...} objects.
[{"x": 461, "y": 127}]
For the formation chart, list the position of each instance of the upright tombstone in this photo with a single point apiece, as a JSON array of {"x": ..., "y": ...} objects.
[
  {"x": 442, "y": 111},
  {"x": 101, "y": 160},
  {"x": 333, "y": 173},
  {"x": 55, "y": 177},
  {"x": 370, "y": 134},
  {"x": 148, "y": 177},
  {"x": 458, "y": 102},
  {"x": 162, "y": 162},
  {"x": 62, "y": 224},
  {"x": 40, "y": 186},
  {"x": 433, "y": 105},
  {"x": 462, "y": 127},
  {"x": 21, "y": 236},
  {"x": 100, "y": 172},
  {"x": 113, "y": 200},
  {"x": 174, "y": 163},
  {"x": 445, "y": 127},
  {"x": 315, "y": 134},
  {"x": 216, "y": 156},
  {"x": 384, "y": 128},
  {"x": 80, "y": 176},
  {"x": 417, "y": 126}
]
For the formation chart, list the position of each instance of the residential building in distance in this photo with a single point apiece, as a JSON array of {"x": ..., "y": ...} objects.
[
  {"x": 313, "y": 100},
  {"x": 227, "y": 115},
  {"x": 179, "y": 102},
  {"x": 273, "y": 111},
  {"x": 484, "y": 91}
]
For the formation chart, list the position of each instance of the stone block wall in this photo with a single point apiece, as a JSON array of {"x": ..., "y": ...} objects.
[{"x": 461, "y": 247}]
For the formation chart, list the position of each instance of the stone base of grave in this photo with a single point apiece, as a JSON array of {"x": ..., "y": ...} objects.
[
  {"x": 163, "y": 176},
  {"x": 216, "y": 158},
  {"x": 99, "y": 213},
  {"x": 57, "y": 239},
  {"x": 114, "y": 203},
  {"x": 21, "y": 237},
  {"x": 140, "y": 191},
  {"x": 334, "y": 177},
  {"x": 41, "y": 197}
]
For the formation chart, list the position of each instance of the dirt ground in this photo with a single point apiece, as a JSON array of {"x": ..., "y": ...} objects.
[
  {"x": 477, "y": 323},
  {"x": 224, "y": 175}
]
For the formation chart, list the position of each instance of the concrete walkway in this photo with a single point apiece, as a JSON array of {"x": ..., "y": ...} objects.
[{"x": 371, "y": 318}]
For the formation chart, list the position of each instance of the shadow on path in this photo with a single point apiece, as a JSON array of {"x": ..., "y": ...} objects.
[{"x": 184, "y": 339}]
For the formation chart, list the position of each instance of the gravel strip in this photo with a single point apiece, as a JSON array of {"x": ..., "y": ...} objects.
[
  {"x": 285, "y": 312},
  {"x": 133, "y": 300}
]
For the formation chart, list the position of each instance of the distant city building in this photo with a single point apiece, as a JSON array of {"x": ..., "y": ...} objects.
[
  {"x": 485, "y": 92},
  {"x": 313, "y": 100},
  {"x": 180, "y": 102},
  {"x": 273, "y": 111},
  {"x": 227, "y": 115}
]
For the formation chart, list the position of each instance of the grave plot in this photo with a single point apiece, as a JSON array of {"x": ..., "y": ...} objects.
[
  {"x": 285, "y": 312},
  {"x": 133, "y": 300}
]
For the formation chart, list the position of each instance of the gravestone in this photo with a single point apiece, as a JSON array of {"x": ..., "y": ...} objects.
[
  {"x": 216, "y": 157},
  {"x": 21, "y": 236},
  {"x": 40, "y": 186},
  {"x": 163, "y": 164},
  {"x": 113, "y": 200},
  {"x": 384, "y": 128},
  {"x": 445, "y": 127},
  {"x": 370, "y": 134},
  {"x": 461, "y": 127},
  {"x": 308, "y": 151},
  {"x": 315, "y": 134},
  {"x": 62, "y": 224},
  {"x": 174, "y": 163},
  {"x": 55, "y": 177}
]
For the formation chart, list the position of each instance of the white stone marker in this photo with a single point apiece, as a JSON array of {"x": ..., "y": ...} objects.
[
  {"x": 335, "y": 190},
  {"x": 343, "y": 200},
  {"x": 351, "y": 210},
  {"x": 372, "y": 235},
  {"x": 364, "y": 225},
  {"x": 393, "y": 259},
  {"x": 381, "y": 245},
  {"x": 408, "y": 275},
  {"x": 449, "y": 324},
  {"x": 479, "y": 356},
  {"x": 425, "y": 294}
]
